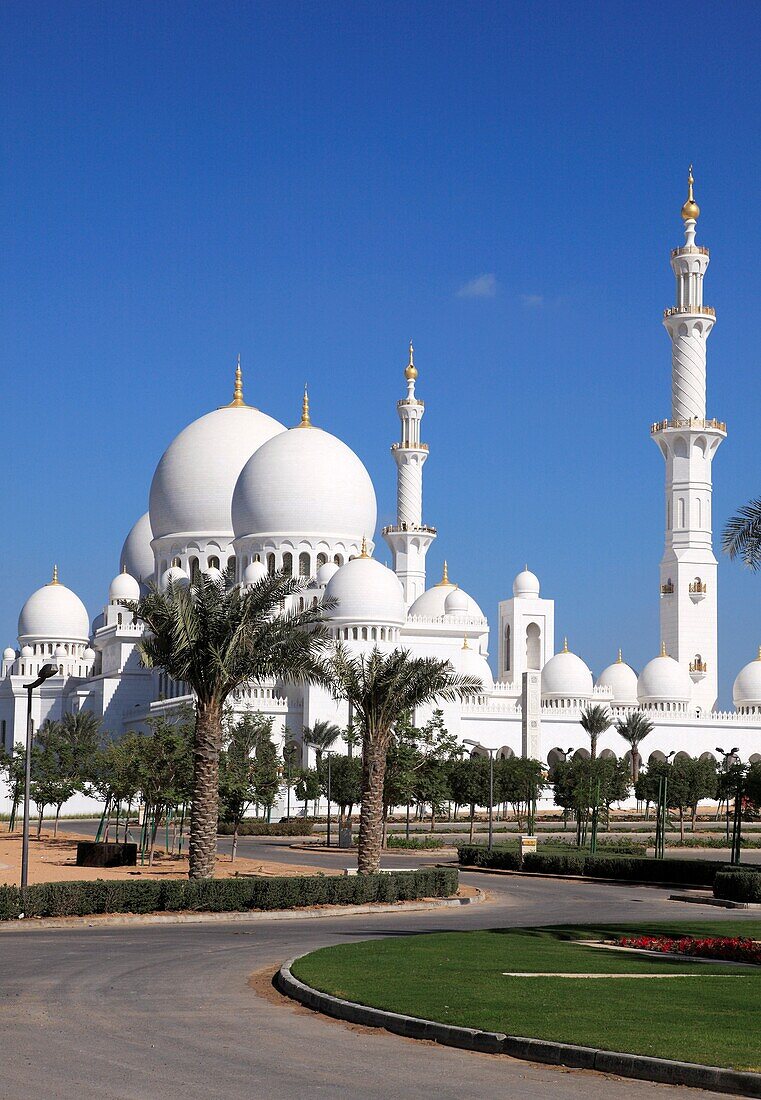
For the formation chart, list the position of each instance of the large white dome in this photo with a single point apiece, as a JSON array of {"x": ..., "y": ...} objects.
[
  {"x": 566, "y": 676},
  {"x": 621, "y": 679},
  {"x": 53, "y": 613},
  {"x": 366, "y": 592},
  {"x": 306, "y": 483},
  {"x": 663, "y": 680},
  {"x": 432, "y": 604},
  {"x": 192, "y": 489},
  {"x": 746, "y": 691},
  {"x": 137, "y": 553}
]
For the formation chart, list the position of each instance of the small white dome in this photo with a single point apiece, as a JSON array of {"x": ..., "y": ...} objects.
[
  {"x": 621, "y": 679},
  {"x": 26, "y": 651},
  {"x": 307, "y": 483},
  {"x": 254, "y": 572},
  {"x": 366, "y": 592},
  {"x": 456, "y": 603},
  {"x": 123, "y": 587},
  {"x": 192, "y": 488},
  {"x": 59, "y": 651},
  {"x": 326, "y": 571},
  {"x": 174, "y": 575},
  {"x": 213, "y": 573},
  {"x": 663, "y": 680},
  {"x": 526, "y": 585},
  {"x": 566, "y": 676},
  {"x": 9, "y": 654},
  {"x": 469, "y": 662},
  {"x": 137, "y": 554},
  {"x": 746, "y": 691},
  {"x": 89, "y": 654},
  {"x": 432, "y": 603},
  {"x": 51, "y": 613}
]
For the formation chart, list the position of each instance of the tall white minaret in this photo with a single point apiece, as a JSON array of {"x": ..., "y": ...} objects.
[
  {"x": 688, "y": 442},
  {"x": 409, "y": 538}
]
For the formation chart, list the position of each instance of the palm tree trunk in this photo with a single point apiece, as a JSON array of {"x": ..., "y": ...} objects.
[
  {"x": 371, "y": 812},
  {"x": 204, "y": 811}
]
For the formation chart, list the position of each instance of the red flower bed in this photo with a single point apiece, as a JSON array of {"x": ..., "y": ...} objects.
[{"x": 731, "y": 948}]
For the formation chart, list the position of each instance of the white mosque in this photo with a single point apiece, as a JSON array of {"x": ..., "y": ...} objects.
[{"x": 236, "y": 488}]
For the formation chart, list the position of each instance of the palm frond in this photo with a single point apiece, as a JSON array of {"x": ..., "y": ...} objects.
[{"x": 742, "y": 535}]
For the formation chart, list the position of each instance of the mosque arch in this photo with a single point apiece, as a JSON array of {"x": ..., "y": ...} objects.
[
  {"x": 656, "y": 757},
  {"x": 582, "y": 754},
  {"x": 304, "y": 564},
  {"x": 213, "y": 561},
  {"x": 608, "y": 754},
  {"x": 271, "y": 564},
  {"x": 288, "y": 563},
  {"x": 508, "y": 639},
  {"x": 682, "y": 757},
  {"x": 533, "y": 645},
  {"x": 505, "y": 753}
]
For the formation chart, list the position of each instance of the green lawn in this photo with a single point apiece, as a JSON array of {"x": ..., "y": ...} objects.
[{"x": 458, "y": 978}]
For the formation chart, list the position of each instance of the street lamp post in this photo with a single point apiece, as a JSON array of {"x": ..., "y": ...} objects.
[
  {"x": 729, "y": 758},
  {"x": 491, "y": 752},
  {"x": 44, "y": 674},
  {"x": 328, "y": 755}
]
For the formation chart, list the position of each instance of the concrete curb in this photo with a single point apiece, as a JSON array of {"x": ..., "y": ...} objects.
[
  {"x": 661, "y": 1070},
  {"x": 121, "y": 920},
  {"x": 721, "y": 903}
]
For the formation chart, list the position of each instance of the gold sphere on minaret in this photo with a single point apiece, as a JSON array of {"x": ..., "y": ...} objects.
[
  {"x": 690, "y": 210},
  {"x": 410, "y": 372}
]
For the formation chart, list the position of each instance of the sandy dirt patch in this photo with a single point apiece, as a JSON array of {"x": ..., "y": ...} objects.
[{"x": 53, "y": 859}]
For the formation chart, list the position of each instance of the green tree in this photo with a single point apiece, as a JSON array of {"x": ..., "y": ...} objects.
[
  {"x": 165, "y": 768},
  {"x": 689, "y": 782},
  {"x": 345, "y": 786},
  {"x": 267, "y": 769},
  {"x": 52, "y": 783},
  {"x": 469, "y": 784},
  {"x": 382, "y": 688},
  {"x": 13, "y": 766},
  {"x": 237, "y": 769},
  {"x": 215, "y": 637},
  {"x": 742, "y": 535},
  {"x": 518, "y": 781},
  {"x": 595, "y": 720},
  {"x": 634, "y": 728},
  {"x": 320, "y": 737},
  {"x": 588, "y": 786}
]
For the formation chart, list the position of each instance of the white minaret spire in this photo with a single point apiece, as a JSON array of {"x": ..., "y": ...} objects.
[
  {"x": 408, "y": 538},
  {"x": 688, "y": 442}
]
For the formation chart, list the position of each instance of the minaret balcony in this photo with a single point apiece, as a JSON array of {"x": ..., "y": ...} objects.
[
  {"x": 667, "y": 589},
  {"x": 698, "y": 591},
  {"x": 409, "y": 446},
  {"x": 694, "y": 422},
  {"x": 411, "y": 528},
  {"x": 698, "y": 669},
  {"x": 690, "y": 250},
  {"x": 709, "y": 311}
]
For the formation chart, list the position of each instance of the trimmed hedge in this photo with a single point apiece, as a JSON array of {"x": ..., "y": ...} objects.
[
  {"x": 553, "y": 865},
  {"x": 225, "y": 895},
  {"x": 478, "y": 855},
  {"x": 737, "y": 886},
  {"x": 251, "y": 827}
]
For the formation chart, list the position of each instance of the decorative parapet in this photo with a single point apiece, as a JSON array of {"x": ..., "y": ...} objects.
[
  {"x": 447, "y": 620},
  {"x": 708, "y": 311},
  {"x": 410, "y": 527},
  {"x": 694, "y": 422},
  {"x": 698, "y": 588},
  {"x": 667, "y": 589},
  {"x": 409, "y": 446},
  {"x": 690, "y": 250}
]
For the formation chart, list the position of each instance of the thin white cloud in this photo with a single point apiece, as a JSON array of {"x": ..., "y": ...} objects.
[
  {"x": 483, "y": 286},
  {"x": 532, "y": 301}
]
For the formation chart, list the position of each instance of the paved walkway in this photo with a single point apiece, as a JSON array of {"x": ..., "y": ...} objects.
[{"x": 137, "y": 1014}]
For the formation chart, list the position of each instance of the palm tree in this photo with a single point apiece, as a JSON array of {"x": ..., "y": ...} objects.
[
  {"x": 634, "y": 728},
  {"x": 320, "y": 737},
  {"x": 595, "y": 721},
  {"x": 383, "y": 688},
  {"x": 216, "y": 637},
  {"x": 742, "y": 535}
]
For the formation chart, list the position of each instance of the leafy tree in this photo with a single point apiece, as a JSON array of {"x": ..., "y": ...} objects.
[
  {"x": 216, "y": 636},
  {"x": 267, "y": 767},
  {"x": 518, "y": 781},
  {"x": 690, "y": 781},
  {"x": 382, "y": 688},
  {"x": 117, "y": 779},
  {"x": 586, "y": 786},
  {"x": 469, "y": 784},
  {"x": 753, "y": 786},
  {"x": 52, "y": 783},
  {"x": 634, "y": 728},
  {"x": 320, "y": 737},
  {"x": 345, "y": 785},
  {"x": 13, "y": 766},
  {"x": 307, "y": 788},
  {"x": 237, "y": 769},
  {"x": 595, "y": 720},
  {"x": 165, "y": 763}
]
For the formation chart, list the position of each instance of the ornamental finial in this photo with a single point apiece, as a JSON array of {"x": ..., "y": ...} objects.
[
  {"x": 410, "y": 372},
  {"x": 663, "y": 650},
  {"x": 690, "y": 210},
  {"x": 465, "y": 642},
  {"x": 619, "y": 659},
  {"x": 55, "y": 575},
  {"x": 305, "y": 421},
  {"x": 565, "y": 645},
  {"x": 444, "y": 576},
  {"x": 237, "y": 401},
  {"x": 759, "y": 654},
  {"x": 363, "y": 552}
]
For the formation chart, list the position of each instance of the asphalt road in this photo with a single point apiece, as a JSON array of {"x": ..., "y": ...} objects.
[{"x": 169, "y": 1011}]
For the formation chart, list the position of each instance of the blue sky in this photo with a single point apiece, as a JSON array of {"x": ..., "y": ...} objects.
[{"x": 313, "y": 184}]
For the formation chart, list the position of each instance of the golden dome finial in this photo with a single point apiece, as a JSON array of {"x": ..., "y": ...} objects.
[
  {"x": 565, "y": 645},
  {"x": 759, "y": 654},
  {"x": 619, "y": 659},
  {"x": 305, "y": 420},
  {"x": 363, "y": 552},
  {"x": 410, "y": 372},
  {"x": 444, "y": 575},
  {"x": 465, "y": 642},
  {"x": 663, "y": 650},
  {"x": 55, "y": 579},
  {"x": 690, "y": 208},
  {"x": 237, "y": 401}
]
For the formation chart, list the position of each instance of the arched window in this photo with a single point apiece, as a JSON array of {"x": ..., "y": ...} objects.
[
  {"x": 301, "y": 603},
  {"x": 271, "y": 564},
  {"x": 321, "y": 560},
  {"x": 338, "y": 559},
  {"x": 231, "y": 564},
  {"x": 194, "y": 568},
  {"x": 680, "y": 507},
  {"x": 383, "y": 633},
  {"x": 213, "y": 561},
  {"x": 176, "y": 563},
  {"x": 288, "y": 564},
  {"x": 374, "y": 634},
  {"x": 304, "y": 564},
  {"x": 354, "y": 633},
  {"x": 533, "y": 647},
  {"x": 699, "y": 503},
  {"x": 119, "y": 619},
  {"x": 364, "y": 633},
  {"x": 507, "y": 648}
]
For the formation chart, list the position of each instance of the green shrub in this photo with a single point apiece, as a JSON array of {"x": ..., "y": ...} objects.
[
  {"x": 415, "y": 842},
  {"x": 693, "y": 872},
  {"x": 738, "y": 885},
  {"x": 542, "y": 864},
  {"x": 478, "y": 855},
  {"x": 251, "y": 826},
  {"x": 64, "y": 899}
]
